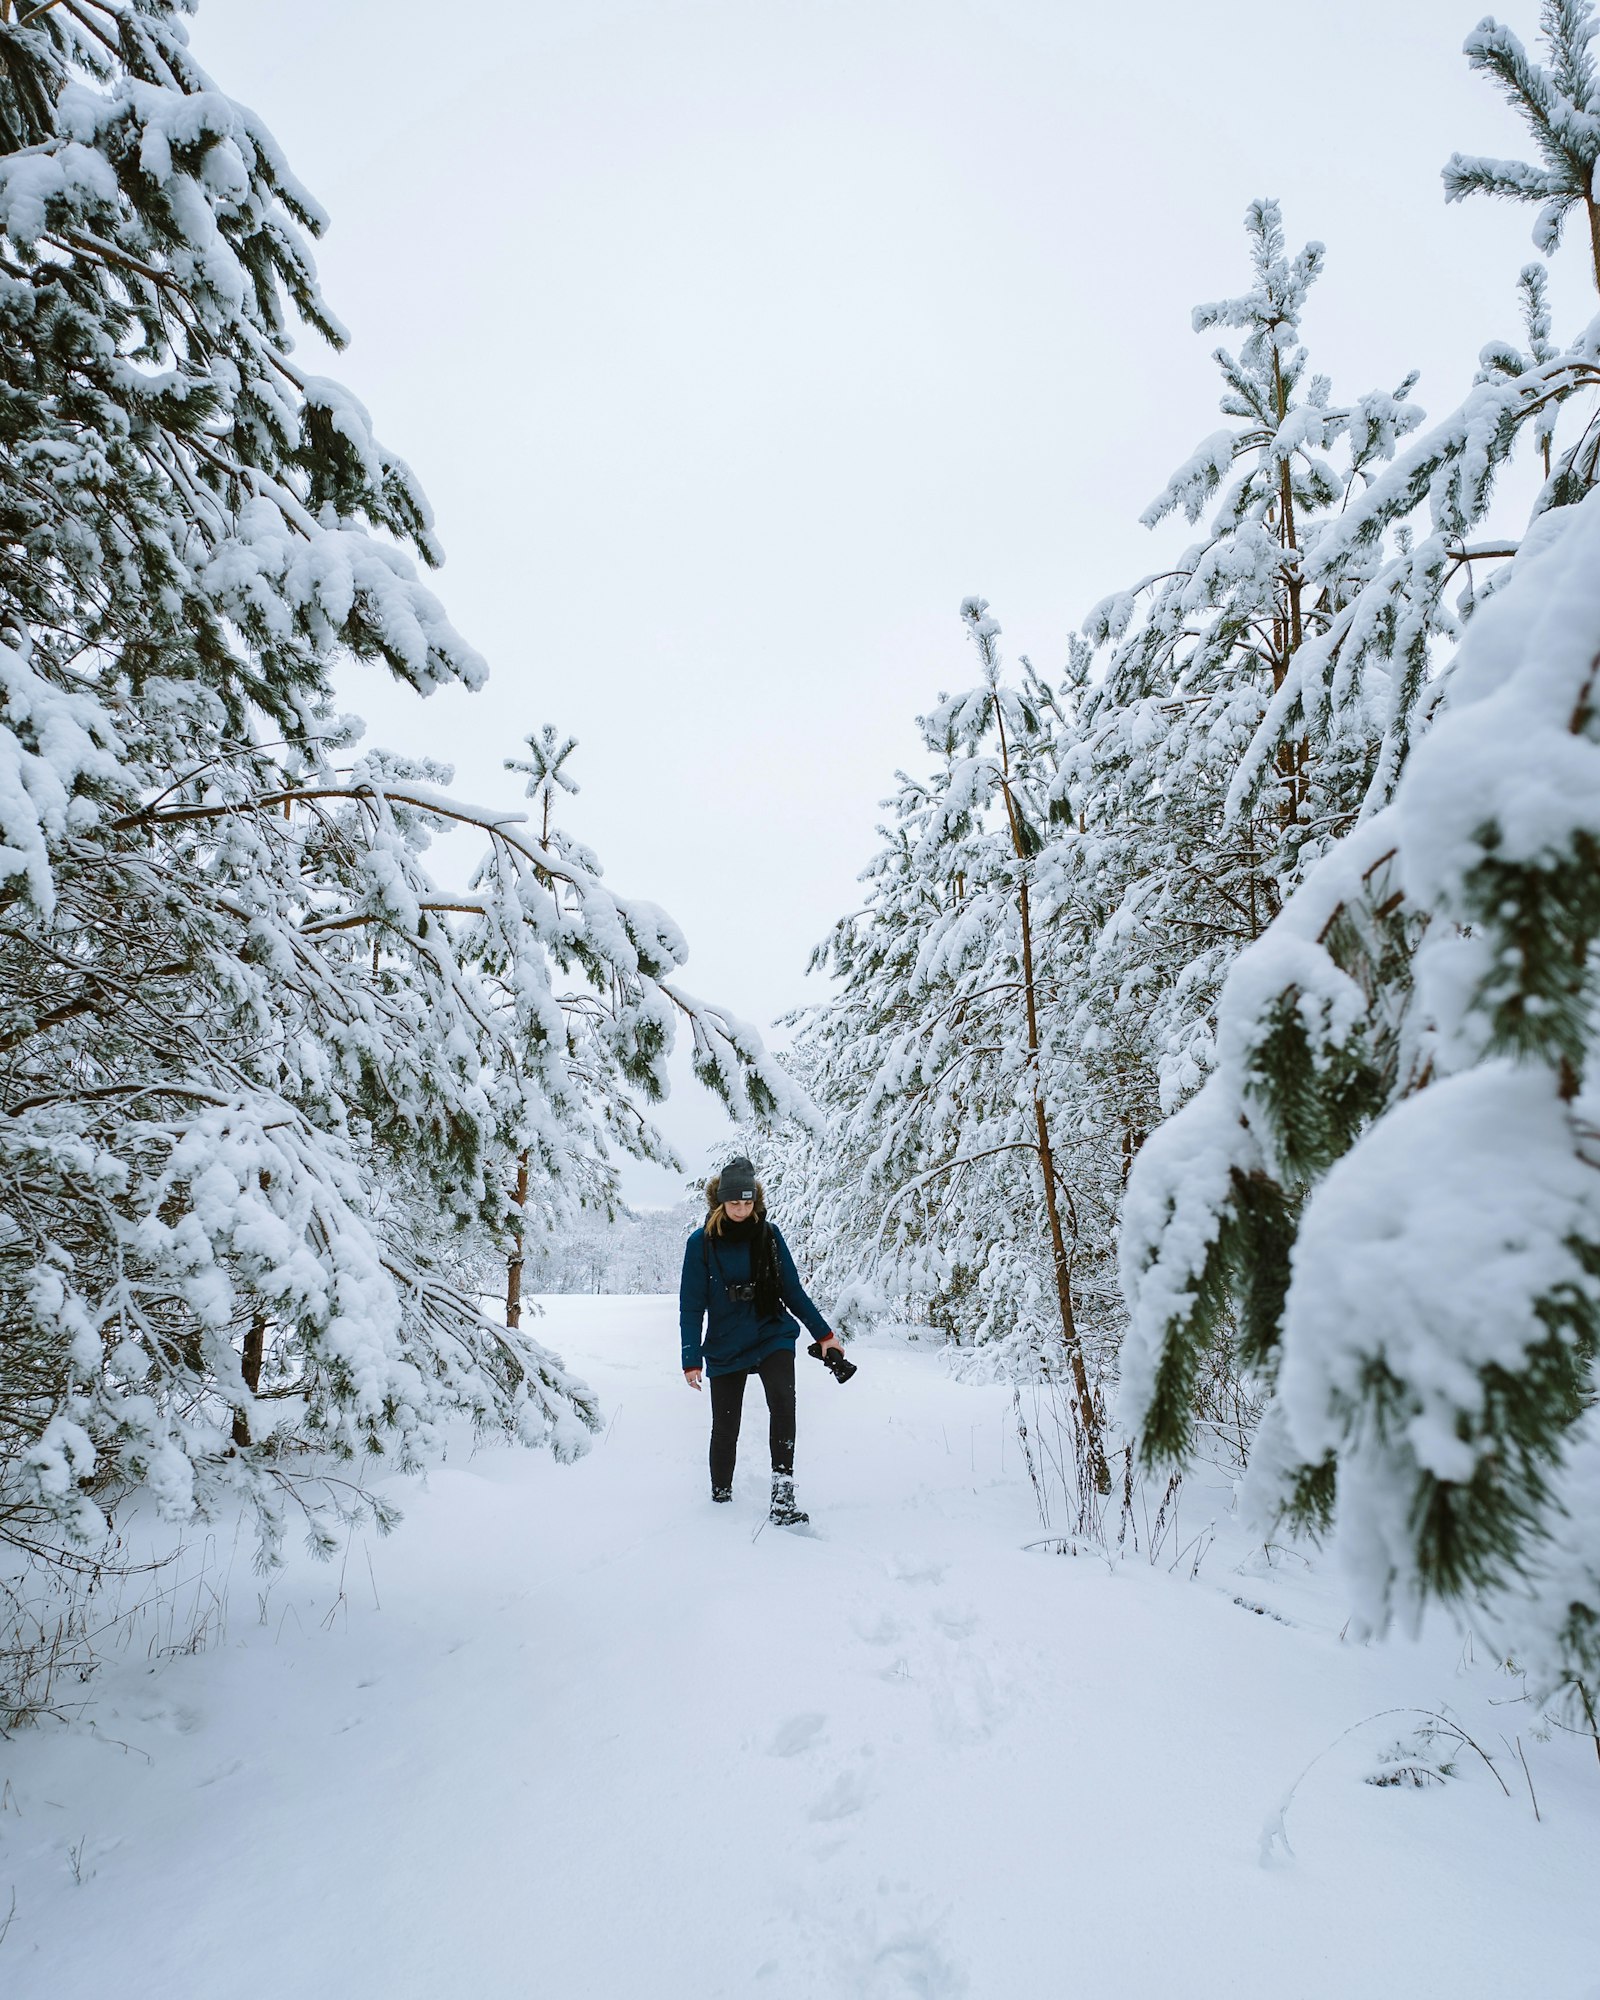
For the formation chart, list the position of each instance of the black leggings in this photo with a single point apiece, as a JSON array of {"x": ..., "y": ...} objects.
[{"x": 727, "y": 1405}]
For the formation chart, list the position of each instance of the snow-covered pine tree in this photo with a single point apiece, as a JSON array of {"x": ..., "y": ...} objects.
[
  {"x": 1393, "y": 1175},
  {"x": 1147, "y": 892},
  {"x": 1390, "y": 1187},
  {"x": 593, "y": 1062},
  {"x": 945, "y": 1055},
  {"x": 546, "y": 776},
  {"x": 1199, "y": 658},
  {"x": 1559, "y": 101},
  {"x": 1378, "y": 654},
  {"x": 264, "y": 1079},
  {"x": 832, "y": 1187}
]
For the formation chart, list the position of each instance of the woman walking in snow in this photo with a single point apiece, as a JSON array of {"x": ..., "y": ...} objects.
[{"x": 739, "y": 1275}]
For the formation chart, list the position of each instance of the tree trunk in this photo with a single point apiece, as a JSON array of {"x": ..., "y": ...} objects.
[
  {"x": 1594, "y": 238},
  {"x": 255, "y": 1347},
  {"x": 1088, "y": 1417},
  {"x": 1291, "y": 762},
  {"x": 514, "y": 1264}
]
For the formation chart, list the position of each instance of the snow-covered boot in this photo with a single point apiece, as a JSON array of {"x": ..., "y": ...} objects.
[
  {"x": 785, "y": 1514},
  {"x": 722, "y": 1492}
]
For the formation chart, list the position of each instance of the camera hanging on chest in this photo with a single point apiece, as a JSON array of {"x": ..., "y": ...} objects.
[{"x": 761, "y": 1288}]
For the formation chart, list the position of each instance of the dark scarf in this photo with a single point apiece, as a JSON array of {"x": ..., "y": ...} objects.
[{"x": 763, "y": 1262}]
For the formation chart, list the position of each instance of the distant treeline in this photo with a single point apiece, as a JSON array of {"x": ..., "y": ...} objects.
[{"x": 639, "y": 1250}]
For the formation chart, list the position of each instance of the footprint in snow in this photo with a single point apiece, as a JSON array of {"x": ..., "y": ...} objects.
[
  {"x": 847, "y": 1794},
  {"x": 896, "y": 1956},
  {"x": 955, "y": 1624},
  {"x": 796, "y": 1735},
  {"x": 916, "y": 1569},
  {"x": 915, "y": 1964},
  {"x": 967, "y": 1705},
  {"x": 160, "y": 1713}
]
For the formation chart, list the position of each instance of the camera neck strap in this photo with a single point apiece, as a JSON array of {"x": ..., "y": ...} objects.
[{"x": 757, "y": 1242}]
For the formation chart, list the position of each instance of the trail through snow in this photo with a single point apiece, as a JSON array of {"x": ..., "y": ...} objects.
[{"x": 575, "y": 1732}]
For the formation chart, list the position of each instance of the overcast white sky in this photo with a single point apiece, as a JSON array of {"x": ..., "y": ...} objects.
[{"x": 736, "y": 340}]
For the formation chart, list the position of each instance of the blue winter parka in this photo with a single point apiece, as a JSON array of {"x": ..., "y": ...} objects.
[{"x": 736, "y": 1338}]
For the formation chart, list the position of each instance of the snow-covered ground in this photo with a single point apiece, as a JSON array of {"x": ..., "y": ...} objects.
[{"x": 573, "y": 1731}]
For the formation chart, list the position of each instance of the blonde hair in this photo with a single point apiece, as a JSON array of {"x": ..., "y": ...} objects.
[{"x": 719, "y": 1214}]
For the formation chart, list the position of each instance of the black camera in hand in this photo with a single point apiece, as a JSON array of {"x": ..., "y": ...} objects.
[{"x": 832, "y": 1358}]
